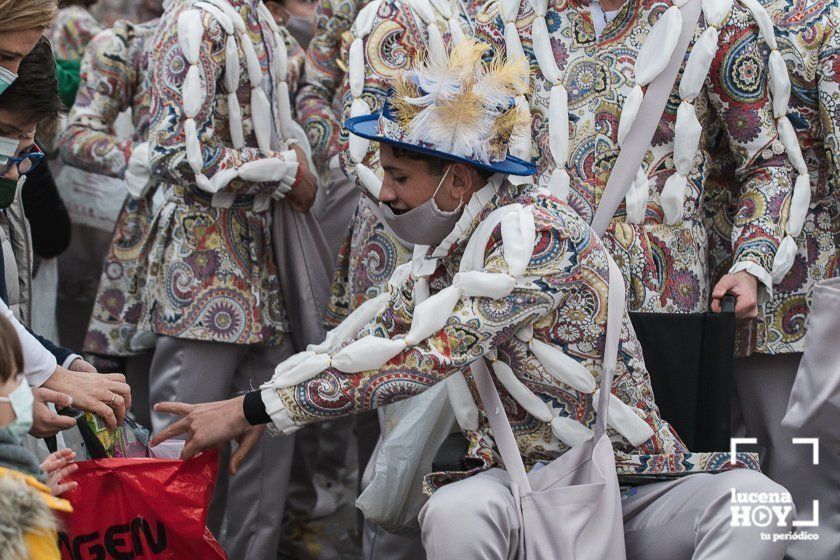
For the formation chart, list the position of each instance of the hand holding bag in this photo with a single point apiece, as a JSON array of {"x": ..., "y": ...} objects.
[{"x": 570, "y": 508}]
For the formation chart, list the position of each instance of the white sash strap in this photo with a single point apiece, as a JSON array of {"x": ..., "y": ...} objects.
[{"x": 499, "y": 423}]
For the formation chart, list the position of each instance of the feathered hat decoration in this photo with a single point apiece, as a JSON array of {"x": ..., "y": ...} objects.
[{"x": 458, "y": 106}]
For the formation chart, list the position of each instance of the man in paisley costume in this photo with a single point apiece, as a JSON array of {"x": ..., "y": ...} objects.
[
  {"x": 223, "y": 147},
  {"x": 113, "y": 81},
  {"x": 501, "y": 273},
  {"x": 770, "y": 348}
]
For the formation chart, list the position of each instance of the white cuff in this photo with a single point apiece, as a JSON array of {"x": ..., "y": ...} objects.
[
  {"x": 763, "y": 277},
  {"x": 70, "y": 359},
  {"x": 41, "y": 376},
  {"x": 282, "y": 422}
]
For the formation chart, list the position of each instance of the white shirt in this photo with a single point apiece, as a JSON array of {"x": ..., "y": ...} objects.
[{"x": 38, "y": 363}]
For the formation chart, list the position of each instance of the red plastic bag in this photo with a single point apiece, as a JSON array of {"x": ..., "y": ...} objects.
[{"x": 141, "y": 508}]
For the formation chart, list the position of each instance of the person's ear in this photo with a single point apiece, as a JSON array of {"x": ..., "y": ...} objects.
[{"x": 462, "y": 181}]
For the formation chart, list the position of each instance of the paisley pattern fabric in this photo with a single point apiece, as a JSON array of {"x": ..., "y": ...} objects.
[
  {"x": 212, "y": 274},
  {"x": 566, "y": 302},
  {"x": 113, "y": 80},
  {"x": 319, "y": 98},
  {"x": 73, "y": 29},
  {"x": 665, "y": 266},
  {"x": 809, "y": 40}
]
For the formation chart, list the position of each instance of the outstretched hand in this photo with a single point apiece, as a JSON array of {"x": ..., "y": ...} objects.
[{"x": 205, "y": 426}]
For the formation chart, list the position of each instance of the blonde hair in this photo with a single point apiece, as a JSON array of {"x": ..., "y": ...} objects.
[{"x": 23, "y": 15}]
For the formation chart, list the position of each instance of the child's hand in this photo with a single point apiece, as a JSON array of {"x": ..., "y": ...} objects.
[{"x": 58, "y": 466}]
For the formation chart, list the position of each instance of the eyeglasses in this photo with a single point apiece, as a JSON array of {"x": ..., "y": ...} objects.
[{"x": 25, "y": 163}]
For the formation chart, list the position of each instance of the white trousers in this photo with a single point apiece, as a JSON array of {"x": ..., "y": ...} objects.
[
  {"x": 686, "y": 518},
  {"x": 195, "y": 371},
  {"x": 764, "y": 383}
]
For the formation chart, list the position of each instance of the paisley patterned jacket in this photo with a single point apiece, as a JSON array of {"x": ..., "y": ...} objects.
[
  {"x": 212, "y": 274},
  {"x": 113, "y": 80},
  {"x": 563, "y": 296},
  {"x": 665, "y": 266},
  {"x": 73, "y": 29},
  {"x": 319, "y": 98},
  {"x": 808, "y": 34}
]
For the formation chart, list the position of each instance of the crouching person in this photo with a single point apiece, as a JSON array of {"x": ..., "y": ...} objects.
[{"x": 514, "y": 274}]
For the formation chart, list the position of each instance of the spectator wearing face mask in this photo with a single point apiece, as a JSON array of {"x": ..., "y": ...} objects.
[
  {"x": 21, "y": 24},
  {"x": 30, "y": 105},
  {"x": 298, "y": 16},
  {"x": 28, "y": 489}
]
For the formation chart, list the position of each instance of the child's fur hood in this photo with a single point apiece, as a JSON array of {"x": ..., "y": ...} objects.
[{"x": 22, "y": 510}]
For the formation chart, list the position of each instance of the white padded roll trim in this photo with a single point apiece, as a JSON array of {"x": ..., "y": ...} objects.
[
  {"x": 437, "y": 50},
  {"x": 194, "y": 157},
  {"x": 570, "y": 432},
  {"x": 783, "y": 261},
  {"x": 282, "y": 55},
  {"x": 219, "y": 16},
  {"x": 367, "y": 353},
  {"x": 779, "y": 83},
  {"x": 787, "y": 135},
  {"x": 351, "y": 326},
  {"x": 358, "y": 147},
  {"x": 657, "y": 49},
  {"x": 443, "y": 8},
  {"x": 672, "y": 198},
  {"x": 698, "y": 64},
  {"x": 292, "y": 361},
  {"x": 513, "y": 44},
  {"x": 474, "y": 253},
  {"x": 686, "y": 138},
  {"x": 261, "y": 118},
  {"x": 237, "y": 136},
  {"x": 223, "y": 177},
  {"x": 364, "y": 21},
  {"x": 230, "y": 12},
  {"x": 477, "y": 283},
  {"x": 558, "y": 124},
  {"x": 369, "y": 179},
  {"x": 400, "y": 275},
  {"x": 204, "y": 183},
  {"x": 520, "y": 146},
  {"x": 232, "y": 66},
  {"x": 629, "y": 111},
  {"x": 190, "y": 32},
  {"x": 509, "y": 10},
  {"x": 421, "y": 289},
  {"x": 264, "y": 170},
  {"x": 424, "y": 10},
  {"x": 432, "y": 315},
  {"x": 636, "y": 198},
  {"x": 559, "y": 184},
  {"x": 463, "y": 404},
  {"x": 715, "y": 11},
  {"x": 356, "y": 67},
  {"x": 359, "y": 108},
  {"x": 252, "y": 63},
  {"x": 625, "y": 421},
  {"x": 456, "y": 34},
  {"x": 518, "y": 238},
  {"x": 799, "y": 203},
  {"x": 526, "y": 333},
  {"x": 532, "y": 403},
  {"x": 540, "y": 7},
  {"x": 543, "y": 51},
  {"x": 563, "y": 368},
  {"x": 193, "y": 92},
  {"x": 304, "y": 371},
  {"x": 284, "y": 110},
  {"x": 762, "y": 18}
]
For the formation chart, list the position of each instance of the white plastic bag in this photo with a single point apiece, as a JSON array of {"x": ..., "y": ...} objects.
[{"x": 412, "y": 432}]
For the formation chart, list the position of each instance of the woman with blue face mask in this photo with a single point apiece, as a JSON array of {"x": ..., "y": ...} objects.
[{"x": 21, "y": 24}]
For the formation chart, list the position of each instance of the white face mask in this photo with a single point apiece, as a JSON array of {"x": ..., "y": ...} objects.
[
  {"x": 425, "y": 225},
  {"x": 7, "y": 78},
  {"x": 22, "y": 401}
]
